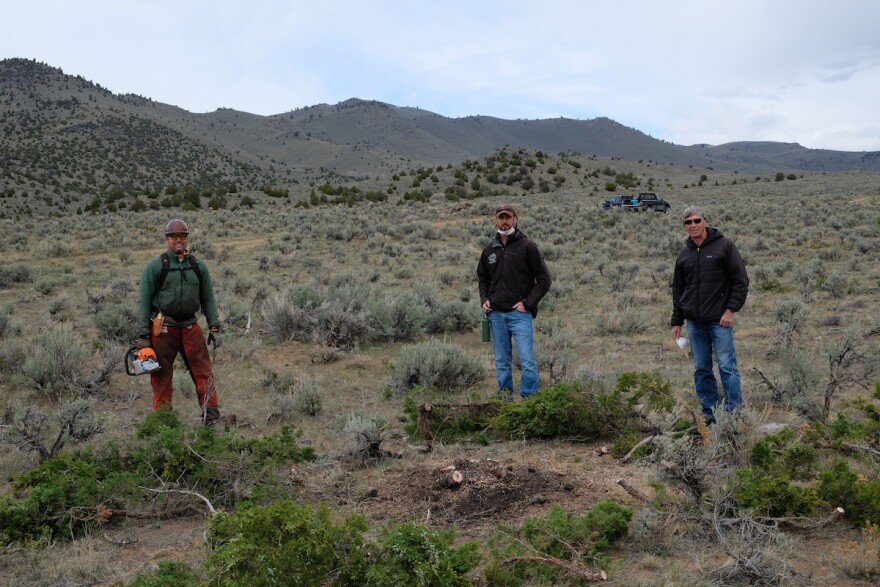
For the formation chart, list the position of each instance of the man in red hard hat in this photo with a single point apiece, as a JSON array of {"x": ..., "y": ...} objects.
[{"x": 174, "y": 286}]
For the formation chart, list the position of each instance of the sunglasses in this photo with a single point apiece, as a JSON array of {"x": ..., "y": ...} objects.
[
  {"x": 177, "y": 236},
  {"x": 690, "y": 221},
  {"x": 504, "y": 216}
]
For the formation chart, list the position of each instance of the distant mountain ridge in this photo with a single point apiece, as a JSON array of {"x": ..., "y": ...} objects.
[{"x": 66, "y": 131}]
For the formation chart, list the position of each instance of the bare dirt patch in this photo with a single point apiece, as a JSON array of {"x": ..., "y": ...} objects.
[{"x": 506, "y": 482}]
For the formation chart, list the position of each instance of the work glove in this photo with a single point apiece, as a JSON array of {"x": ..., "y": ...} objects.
[
  {"x": 143, "y": 343},
  {"x": 214, "y": 339}
]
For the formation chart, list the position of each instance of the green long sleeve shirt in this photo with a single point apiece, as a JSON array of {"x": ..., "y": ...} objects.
[{"x": 179, "y": 298}]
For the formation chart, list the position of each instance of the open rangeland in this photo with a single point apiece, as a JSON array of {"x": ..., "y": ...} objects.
[{"x": 326, "y": 310}]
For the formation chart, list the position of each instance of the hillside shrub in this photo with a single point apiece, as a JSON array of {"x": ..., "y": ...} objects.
[
  {"x": 69, "y": 493},
  {"x": 289, "y": 543},
  {"x": 859, "y": 496},
  {"x": 285, "y": 543},
  {"x": 413, "y": 554},
  {"x": 585, "y": 411},
  {"x": 168, "y": 574},
  {"x": 774, "y": 495},
  {"x": 117, "y": 323},
  {"x": 470, "y": 422},
  {"x": 526, "y": 556},
  {"x": 397, "y": 317},
  {"x": 58, "y": 359},
  {"x": 17, "y": 273},
  {"x": 564, "y": 410},
  {"x": 308, "y": 398},
  {"x": 437, "y": 365},
  {"x": 453, "y": 316}
]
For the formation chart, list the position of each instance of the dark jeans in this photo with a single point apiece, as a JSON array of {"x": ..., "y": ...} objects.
[{"x": 706, "y": 338}]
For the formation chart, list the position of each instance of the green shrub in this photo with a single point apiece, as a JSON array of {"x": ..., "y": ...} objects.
[
  {"x": 169, "y": 574},
  {"x": 285, "y": 543},
  {"x": 117, "y": 322},
  {"x": 18, "y": 273},
  {"x": 308, "y": 398},
  {"x": 584, "y": 411},
  {"x": 773, "y": 495},
  {"x": 58, "y": 358},
  {"x": 454, "y": 316},
  {"x": 564, "y": 410},
  {"x": 521, "y": 557},
  {"x": 415, "y": 555},
  {"x": 467, "y": 423},
  {"x": 648, "y": 388},
  {"x": 48, "y": 497},
  {"x": 436, "y": 365},
  {"x": 860, "y": 497},
  {"x": 399, "y": 317}
]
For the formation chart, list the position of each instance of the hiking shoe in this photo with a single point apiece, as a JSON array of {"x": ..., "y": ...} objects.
[{"x": 506, "y": 395}]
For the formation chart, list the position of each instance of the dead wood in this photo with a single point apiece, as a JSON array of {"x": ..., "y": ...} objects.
[
  {"x": 862, "y": 447},
  {"x": 185, "y": 492},
  {"x": 575, "y": 571},
  {"x": 635, "y": 492},
  {"x": 633, "y": 450},
  {"x": 449, "y": 479},
  {"x": 810, "y": 525}
]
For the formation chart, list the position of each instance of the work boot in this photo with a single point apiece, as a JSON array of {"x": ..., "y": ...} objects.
[{"x": 212, "y": 416}]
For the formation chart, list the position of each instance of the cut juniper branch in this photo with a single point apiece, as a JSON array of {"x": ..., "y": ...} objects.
[
  {"x": 184, "y": 492},
  {"x": 809, "y": 525},
  {"x": 862, "y": 447},
  {"x": 575, "y": 571},
  {"x": 635, "y": 492},
  {"x": 633, "y": 450}
]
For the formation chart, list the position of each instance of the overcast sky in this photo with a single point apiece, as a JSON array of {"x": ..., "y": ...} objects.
[{"x": 687, "y": 71}]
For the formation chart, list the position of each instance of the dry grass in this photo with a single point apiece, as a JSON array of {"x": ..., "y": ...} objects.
[{"x": 610, "y": 325}]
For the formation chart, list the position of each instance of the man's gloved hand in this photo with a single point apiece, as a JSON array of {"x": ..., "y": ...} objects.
[
  {"x": 214, "y": 339},
  {"x": 143, "y": 343}
]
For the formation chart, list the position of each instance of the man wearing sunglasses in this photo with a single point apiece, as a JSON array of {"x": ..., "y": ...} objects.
[
  {"x": 709, "y": 285},
  {"x": 513, "y": 278},
  {"x": 174, "y": 286}
]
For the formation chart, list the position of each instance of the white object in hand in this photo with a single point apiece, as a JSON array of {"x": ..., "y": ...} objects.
[{"x": 682, "y": 342}]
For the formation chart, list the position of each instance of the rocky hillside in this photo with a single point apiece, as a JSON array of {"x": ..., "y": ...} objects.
[{"x": 69, "y": 140}]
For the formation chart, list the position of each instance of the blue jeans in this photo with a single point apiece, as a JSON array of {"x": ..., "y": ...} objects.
[
  {"x": 706, "y": 337},
  {"x": 516, "y": 325}
]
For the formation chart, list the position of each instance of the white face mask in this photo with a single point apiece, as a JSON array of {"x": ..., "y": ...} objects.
[{"x": 507, "y": 232}]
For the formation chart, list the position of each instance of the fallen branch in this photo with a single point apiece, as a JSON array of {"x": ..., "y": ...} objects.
[
  {"x": 862, "y": 447},
  {"x": 635, "y": 492},
  {"x": 185, "y": 492},
  {"x": 573, "y": 570},
  {"x": 831, "y": 518},
  {"x": 633, "y": 450}
]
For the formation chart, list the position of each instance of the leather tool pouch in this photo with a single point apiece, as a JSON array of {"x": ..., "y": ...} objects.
[{"x": 158, "y": 322}]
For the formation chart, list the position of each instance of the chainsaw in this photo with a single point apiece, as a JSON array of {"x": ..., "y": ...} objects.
[{"x": 141, "y": 362}]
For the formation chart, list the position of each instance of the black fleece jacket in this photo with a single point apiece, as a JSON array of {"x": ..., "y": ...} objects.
[
  {"x": 708, "y": 280},
  {"x": 512, "y": 272}
]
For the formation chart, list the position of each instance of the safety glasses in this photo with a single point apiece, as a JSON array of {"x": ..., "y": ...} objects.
[
  {"x": 690, "y": 221},
  {"x": 177, "y": 236}
]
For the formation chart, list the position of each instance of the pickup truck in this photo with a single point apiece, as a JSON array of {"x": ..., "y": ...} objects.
[
  {"x": 647, "y": 201},
  {"x": 615, "y": 202}
]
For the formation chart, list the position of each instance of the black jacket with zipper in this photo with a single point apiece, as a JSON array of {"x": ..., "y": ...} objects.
[
  {"x": 512, "y": 272},
  {"x": 708, "y": 279}
]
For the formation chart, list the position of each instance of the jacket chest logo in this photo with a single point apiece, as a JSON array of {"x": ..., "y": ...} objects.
[{"x": 492, "y": 258}]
